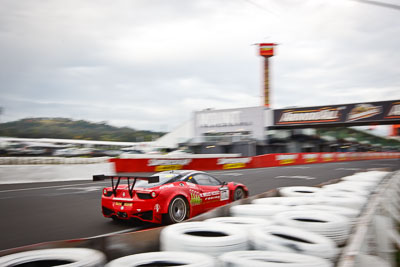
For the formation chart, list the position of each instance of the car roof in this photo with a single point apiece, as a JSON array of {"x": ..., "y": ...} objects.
[{"x": 181, "y": 172}]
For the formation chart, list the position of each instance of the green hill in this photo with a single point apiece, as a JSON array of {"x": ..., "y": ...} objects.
[{"x": 62, "y": 128}]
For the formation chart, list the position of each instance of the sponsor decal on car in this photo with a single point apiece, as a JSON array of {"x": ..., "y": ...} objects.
[
  {"x": 233, "y": 163},
  {"x": 195, "y": 198},
  {"x": 213, "y": 195},
  {"x": 224, "y": 193},
  {"x": 208, "y": 194},
  {"x": 157, "y": 207},
  {"x": 212, "y": 198},
  {"x": 168, "y": 164},
  {"x": 363, "y": 111}
]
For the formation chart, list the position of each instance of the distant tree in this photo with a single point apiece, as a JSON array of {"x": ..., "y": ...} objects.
[{"x": 63, "y": 128}]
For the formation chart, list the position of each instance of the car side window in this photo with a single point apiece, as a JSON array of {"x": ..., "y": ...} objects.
[{"x": 204, "y": 179}]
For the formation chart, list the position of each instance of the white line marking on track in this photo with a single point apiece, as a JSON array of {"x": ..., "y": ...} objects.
[
  {"x": 230, "y": 174},
  {"x": 84, "y": 189},
  {"x": 296, "y": 177},
  {"x": 117, "y": 232},
  {"x": 46, "y": 187},
  {"x": 347, "y": 169},
  {"x": 297, "y": 167}
]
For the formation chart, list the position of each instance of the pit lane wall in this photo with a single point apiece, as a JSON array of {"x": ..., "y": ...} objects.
[
  {"x": 222, "y": 163},
  {"x": 15, "y": 170}
]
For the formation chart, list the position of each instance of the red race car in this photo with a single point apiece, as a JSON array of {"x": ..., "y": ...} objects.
[{"x": 166, "y": 197}]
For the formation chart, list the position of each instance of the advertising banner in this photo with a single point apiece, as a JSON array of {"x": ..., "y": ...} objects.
[
  {"x": 267, "y": 49},
  {"x": 262, "y": 161},
  {"x": 387, "y": 112},
  {"x": 248, "y": 120}
]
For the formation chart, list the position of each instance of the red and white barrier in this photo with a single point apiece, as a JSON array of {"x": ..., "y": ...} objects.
[{"x": 262, "y": 161}]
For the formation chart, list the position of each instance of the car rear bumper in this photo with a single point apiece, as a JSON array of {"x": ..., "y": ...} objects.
[
  {"x": 147, "y": 216},
  {"x": 147, "y": 212}
]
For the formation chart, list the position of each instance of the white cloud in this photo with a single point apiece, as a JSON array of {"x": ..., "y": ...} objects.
[{"x": 147, "y": 64}]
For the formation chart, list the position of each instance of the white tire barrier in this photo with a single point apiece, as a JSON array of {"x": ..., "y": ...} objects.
[
  {"x": 369, "y": 260},
  {"x": 364, "y": 185},
  {"x": 166, "y": 258},
  {"x": 394, "y": 198},
  {"x": 362, "y": 200},
  {"x": 271, "y": 259},
  {"x": 246, "y": 223},
  {"x": 76, "y": 257},
  {"x": 257, "y": 210},
  {"x": 333, "y": 226},
  {"x": 347, "y": 189},
  {"x": 204, "y": 237},
  {"x": 286, "y": 201},
  {"x": 283, "y": 238},
  {"x": 342, "y": 200},
  {"x": 373, "y": 176},
  {"x": 298, "y": 191},
  {"x": 350, "y": 214}
]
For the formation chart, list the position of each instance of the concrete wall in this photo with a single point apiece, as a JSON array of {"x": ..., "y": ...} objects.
[{"x": 13, "y": 174}]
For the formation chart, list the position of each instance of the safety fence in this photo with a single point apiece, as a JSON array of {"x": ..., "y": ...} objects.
[{"x": 262, "y": 161}]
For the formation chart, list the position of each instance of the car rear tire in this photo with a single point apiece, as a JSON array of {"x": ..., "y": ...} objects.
[
  {"x": 177, "y": 210},
  {"x": 238, "y": 194}
]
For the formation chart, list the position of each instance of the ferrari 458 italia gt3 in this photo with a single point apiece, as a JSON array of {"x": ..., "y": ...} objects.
[{"x": 166, "y": 197}]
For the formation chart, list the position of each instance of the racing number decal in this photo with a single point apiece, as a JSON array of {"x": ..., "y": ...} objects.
[{"x": 224, "y": 194}]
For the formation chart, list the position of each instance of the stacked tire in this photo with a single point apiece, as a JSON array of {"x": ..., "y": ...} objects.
[
  {"x": 285, "y": 201},
  {"x": 204, "y": 237},
  {"x": 271, "y": 259},
  {"x": 289, "y": 239},
  {"x": 333, "y": 226},
  {"x": 77, "y": 257},
  {"x": 171, "y": 258},
  {"x": 298, "y": 191},
  {"x": 257, "y": 210},
  {"x": 245, "y": 223},
  {"x": 349, "y": 213}
]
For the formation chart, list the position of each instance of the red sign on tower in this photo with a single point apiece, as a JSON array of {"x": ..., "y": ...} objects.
[{"x": 267, "y": 49}]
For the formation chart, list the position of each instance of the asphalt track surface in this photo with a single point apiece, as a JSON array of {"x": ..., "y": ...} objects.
[{"x": 41, "y": 212}]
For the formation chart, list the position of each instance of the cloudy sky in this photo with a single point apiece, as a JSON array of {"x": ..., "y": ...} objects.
[{"x": 148, "y": 64}]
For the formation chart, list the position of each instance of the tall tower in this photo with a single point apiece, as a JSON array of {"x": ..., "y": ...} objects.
[{"x": 266, "y": 51}]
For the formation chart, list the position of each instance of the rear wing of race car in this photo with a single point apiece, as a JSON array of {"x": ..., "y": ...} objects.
[{"x": 149, "y": 179}]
